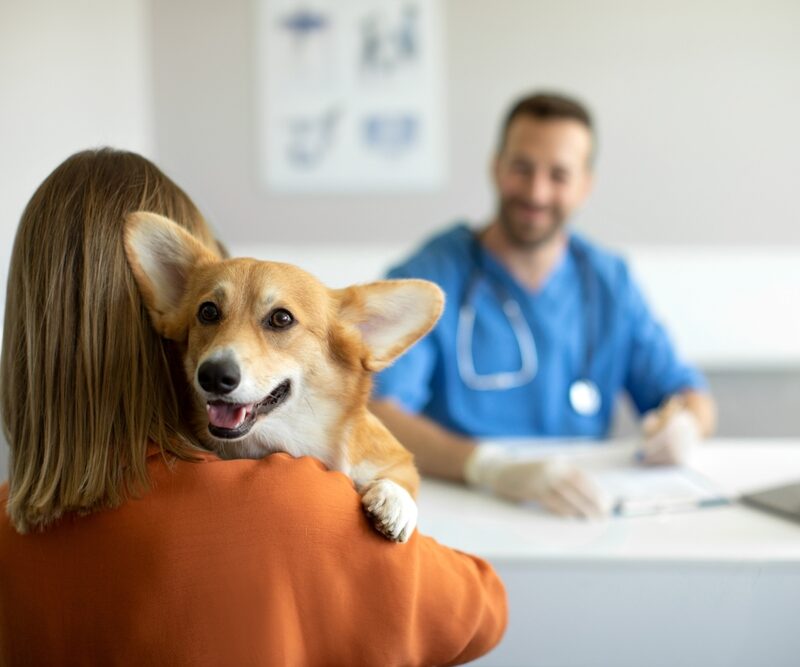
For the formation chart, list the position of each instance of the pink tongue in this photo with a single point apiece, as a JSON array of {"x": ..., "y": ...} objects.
[{"x": 224, "y": 415}]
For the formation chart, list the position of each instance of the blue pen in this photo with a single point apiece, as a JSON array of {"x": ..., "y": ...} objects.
[{"x": 642, "y": 507}]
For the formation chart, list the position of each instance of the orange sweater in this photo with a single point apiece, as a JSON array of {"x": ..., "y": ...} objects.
[{"x": 268, "y": 562}]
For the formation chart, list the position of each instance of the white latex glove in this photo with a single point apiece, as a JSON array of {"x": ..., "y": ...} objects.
[
  {"x": 558, "y": 486},
  {"x": 671, "y": 435}
]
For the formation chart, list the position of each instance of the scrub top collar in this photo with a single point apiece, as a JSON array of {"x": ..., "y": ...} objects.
[{"x": 557, "y": 284}]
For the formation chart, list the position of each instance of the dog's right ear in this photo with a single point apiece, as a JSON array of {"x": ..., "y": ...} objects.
[
  {"x": 162, "y": 256},
  {"x": 390, "y": 316}
]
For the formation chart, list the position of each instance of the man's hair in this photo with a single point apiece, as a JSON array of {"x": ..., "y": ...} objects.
[
  {"x": 85, "y": 381},
  {"x": 547, "y": 106}
]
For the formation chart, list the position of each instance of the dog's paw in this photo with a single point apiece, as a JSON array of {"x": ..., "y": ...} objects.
[{"x": 391, "y": 508}]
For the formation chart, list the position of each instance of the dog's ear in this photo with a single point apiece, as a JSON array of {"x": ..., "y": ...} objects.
[
  {"x": 391, "y": 315},
  {"x": 162, "y": 256}
]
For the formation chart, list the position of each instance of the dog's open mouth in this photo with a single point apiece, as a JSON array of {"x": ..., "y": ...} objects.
[{"x": 234, "y": 420}]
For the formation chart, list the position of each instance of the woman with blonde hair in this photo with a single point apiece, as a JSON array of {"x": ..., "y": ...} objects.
[{"x": 124, "y": 542}]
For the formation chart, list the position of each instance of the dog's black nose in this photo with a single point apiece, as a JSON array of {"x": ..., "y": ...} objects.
[{"x": 219, "y": 377}]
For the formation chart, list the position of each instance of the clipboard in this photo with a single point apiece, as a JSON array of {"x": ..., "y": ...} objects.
[
  {"x": 641, "y": 491},
  {"x": 635, "y": 490}
]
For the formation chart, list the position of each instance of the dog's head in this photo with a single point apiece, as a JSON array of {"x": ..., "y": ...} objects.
[{"x": 272, "y": 354}]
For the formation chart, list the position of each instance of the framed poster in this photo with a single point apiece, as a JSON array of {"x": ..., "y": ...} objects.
[{"x": 350, "y": 95}]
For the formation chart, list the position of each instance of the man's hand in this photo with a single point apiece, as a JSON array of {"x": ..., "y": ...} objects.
[
  {"x": 671, "y": 434},
  {"x": 560, "y": 487}
]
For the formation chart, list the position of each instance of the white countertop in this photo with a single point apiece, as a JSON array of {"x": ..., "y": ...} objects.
[{"x": 502, "y": 532}]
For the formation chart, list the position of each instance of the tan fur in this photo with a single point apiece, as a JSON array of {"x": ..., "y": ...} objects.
[{"x": 338, "y": 339}]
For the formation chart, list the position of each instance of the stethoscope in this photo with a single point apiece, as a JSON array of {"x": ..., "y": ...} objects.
[{"x": 584, "y": 394}]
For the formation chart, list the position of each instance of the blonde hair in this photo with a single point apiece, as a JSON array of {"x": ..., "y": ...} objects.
[{"x": 85, "y": 382}]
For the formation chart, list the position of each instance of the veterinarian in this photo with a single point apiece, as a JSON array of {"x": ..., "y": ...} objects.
[
  {"x": 121, "y": 542},
  {"x": 543, "y": 329}
]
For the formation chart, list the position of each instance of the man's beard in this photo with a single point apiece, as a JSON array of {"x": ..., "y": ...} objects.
[{"x": 528, "y": 236}]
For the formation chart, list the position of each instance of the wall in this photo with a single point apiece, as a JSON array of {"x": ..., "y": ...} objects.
[
  {"x": 696, "y": 104},
  {"x": 73, "y": 74}
]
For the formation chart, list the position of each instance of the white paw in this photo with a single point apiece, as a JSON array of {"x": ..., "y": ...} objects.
[{"x": 392, "y": 509}]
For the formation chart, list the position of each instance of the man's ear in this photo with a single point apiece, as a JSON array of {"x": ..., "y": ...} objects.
[
  {"x": 588, "y": 184},
  {"x": 494, "y": 169},
  {"x": 162, "y": 256},
  {"x": 390, "y": 315}
]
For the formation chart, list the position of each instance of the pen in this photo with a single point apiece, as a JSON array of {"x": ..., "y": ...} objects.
[{"x": 641, "y": 507}]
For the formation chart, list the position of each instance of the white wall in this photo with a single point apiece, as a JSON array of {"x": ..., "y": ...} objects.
[
  {"x": 74, "y": 74},
  {"x": 696, "y": 103}
]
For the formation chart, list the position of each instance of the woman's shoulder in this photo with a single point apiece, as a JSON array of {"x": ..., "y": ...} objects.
[
  {"x": 209, "y": 463},
  {"x": 273, "y": 480}
]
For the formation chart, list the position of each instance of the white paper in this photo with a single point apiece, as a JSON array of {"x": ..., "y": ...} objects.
[{"x": 635, "y": 489}]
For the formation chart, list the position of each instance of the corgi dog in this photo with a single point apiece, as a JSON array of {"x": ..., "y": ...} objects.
[{"x": 279, "y": 362}]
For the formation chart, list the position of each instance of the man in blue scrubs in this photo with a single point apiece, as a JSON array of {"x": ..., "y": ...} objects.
[{"x": 542, "y": 331}]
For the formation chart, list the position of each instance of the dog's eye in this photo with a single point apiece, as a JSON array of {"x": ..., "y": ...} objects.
[
  {"x": 280, "y": 318},
  {"x": 208, "y": 313}
]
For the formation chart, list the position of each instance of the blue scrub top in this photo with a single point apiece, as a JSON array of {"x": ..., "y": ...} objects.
[{"x": 630, "y": 349}]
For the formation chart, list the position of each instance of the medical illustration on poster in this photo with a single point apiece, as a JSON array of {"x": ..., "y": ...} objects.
[{"x": 350, "y": 95}]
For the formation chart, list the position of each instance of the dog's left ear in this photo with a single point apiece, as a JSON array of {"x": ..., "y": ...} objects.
[
  {"x": 162, "y": 256},
  {"x": 391, "y": 316}
]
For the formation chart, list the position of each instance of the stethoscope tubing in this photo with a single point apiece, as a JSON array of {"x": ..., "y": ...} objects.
[{"x": 584, "y": 394}]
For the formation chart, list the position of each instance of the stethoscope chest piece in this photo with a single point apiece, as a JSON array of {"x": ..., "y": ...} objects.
[{"x": 584, "y": 397}]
